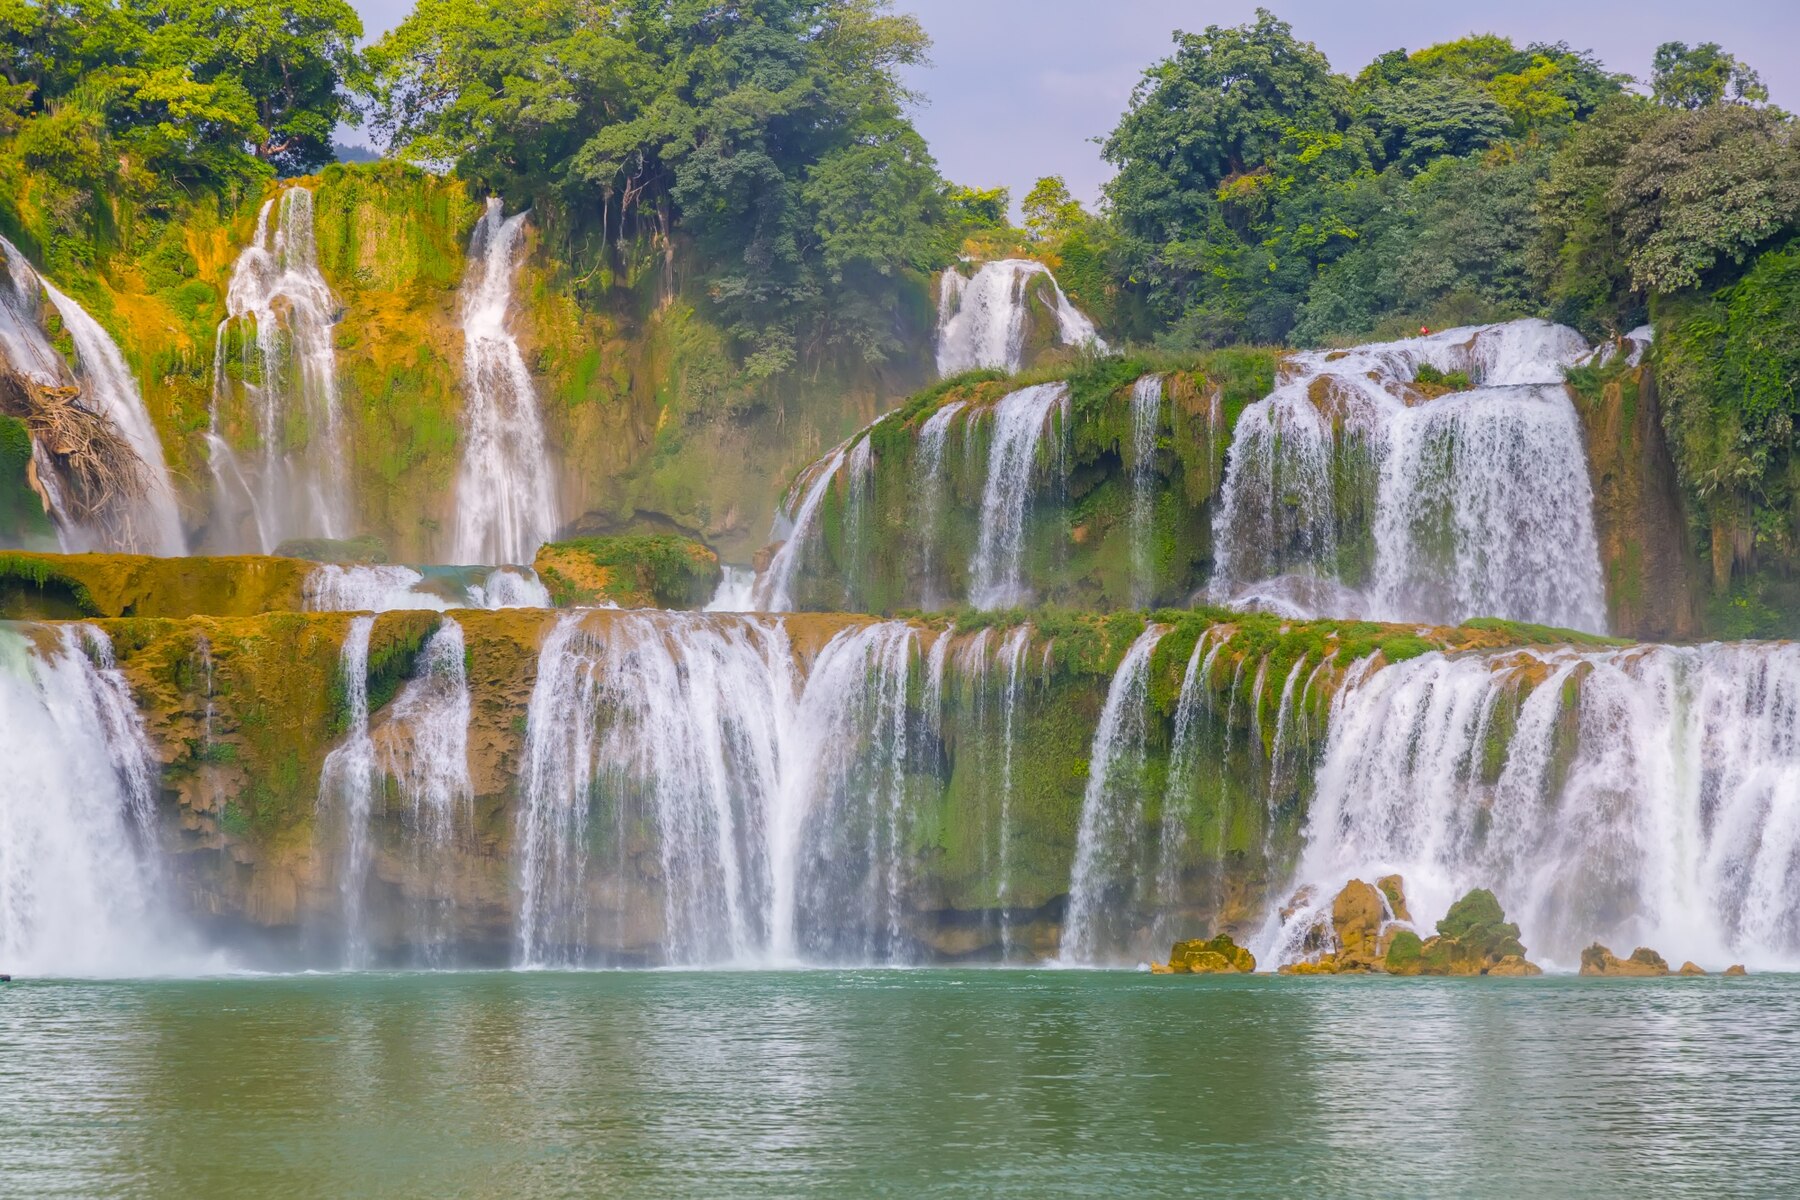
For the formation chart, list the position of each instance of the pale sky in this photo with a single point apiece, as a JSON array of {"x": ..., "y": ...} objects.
[{"x": 1020, "y": 88}]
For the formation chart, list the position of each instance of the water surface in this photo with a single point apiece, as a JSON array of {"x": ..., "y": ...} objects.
[{"x": 898, "y": 1083}]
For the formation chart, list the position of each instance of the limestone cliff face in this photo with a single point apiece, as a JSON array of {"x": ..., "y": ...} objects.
[{"x": 1653, "y": 576}]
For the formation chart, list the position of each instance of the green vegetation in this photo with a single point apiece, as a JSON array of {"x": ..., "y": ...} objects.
[{"x": 641, "y": 571}]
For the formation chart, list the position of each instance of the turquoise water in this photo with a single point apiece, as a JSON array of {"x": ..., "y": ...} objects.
[{"x": 888, "y": 1083}]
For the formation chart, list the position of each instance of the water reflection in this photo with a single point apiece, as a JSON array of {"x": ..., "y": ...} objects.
[{"x": 898, "y": 1083}]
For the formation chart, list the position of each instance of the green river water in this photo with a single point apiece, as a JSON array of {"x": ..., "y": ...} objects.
[{"x": 898, "y": 1083}]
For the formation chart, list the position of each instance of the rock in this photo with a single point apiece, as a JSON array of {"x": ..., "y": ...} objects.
[
  {"x": 1394, "y": 888},
  {"x": 1644, "y": 962},
  {"x": 1357, "y": 916},
  {"x": 1157, "y": 968},
  {"x": 1736, "y": 969},
  {"x": 1688, "y": 968},
  {"x": 1325, "y": 965},
  {"x": 1474, "y": 938},
  {"x": 1215, "y": 956},
  {"x": 1513, "y": 964},
  {"x": 1405, "y": 954}
]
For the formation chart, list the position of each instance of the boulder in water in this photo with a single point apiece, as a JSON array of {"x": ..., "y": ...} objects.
[
  {"x": 1405, "y": 954},
  {"x": 1689, "y": 968},
  {"x": 1644, "y": 962},
  {"x": 1357, "y": 916},
  {"x": 1213, "y": 956},
  {"x": 1473, "y": 938},
  {"x": 1512, "y": 964},
  {"x": 1736, "y": 969}
]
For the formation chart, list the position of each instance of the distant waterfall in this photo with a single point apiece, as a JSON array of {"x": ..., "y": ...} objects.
[
  {"x": 505, "y": 487},
  {"x": 297, "y": 483},
  {"x": 996, "y": 574},
  {"x": 1108, "y": 852},
  {"x": 425, "y": 751},
  {"x": 78, "y": 873},
  {"x": 1643, "y": 796},
  {"x": 982, "y": 319},
  {"x": 1348, "y": 493},
  {"x": 1146, "y": 422},
  {"x": 152, "y": 524},
  {"x": 347, "y": 787}
]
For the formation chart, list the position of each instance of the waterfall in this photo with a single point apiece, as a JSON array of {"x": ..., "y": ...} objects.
[
  {"x": 1011, "y": 660},
  {"x": 764, "y": 815},
  {"x": 799, "y": 515},
  {"x": 505, "y": 487},
  {"x": 1019, "y": 421},
  {"x": 426, "y": 752},
  {"x": 79, "y": 888},
  {"x": 736, "y": 591},
  {"x": 933, "y": 435},
  {"x": 1107, "y": 841},
  {"x": 147, "y": 525},
  {"x": 982, "y": 318},
  {"x": 1146, "y": 421},
  {"x": 1641, "y": 796},
  {"x": 1350, "y": 493},
  {"x": 1184, "y": 772},
  {"x": 347, "y": 786},
  {"x": 389, "y": 587},
  {"x": 860, "y": 467},
  {"x": 300, "y": 485}
]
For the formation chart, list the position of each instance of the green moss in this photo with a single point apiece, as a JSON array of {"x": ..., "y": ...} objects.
[{"x": 631, "y": 571}]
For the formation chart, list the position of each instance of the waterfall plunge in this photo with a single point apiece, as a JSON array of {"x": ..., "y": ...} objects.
[
  {"x": 982, "y": 318},
  {"x": 687, "y": 752},
  {"x": 298, "y": 484},
  {"x": 1643, "y": 796},
  {"x": 1349, "y": 494},
  {"x": 1107, "y": 852},
  {"x": 152, "y": 524},
  {"x": 79, "y": 888},
  {"x": 505, "y": 488}
]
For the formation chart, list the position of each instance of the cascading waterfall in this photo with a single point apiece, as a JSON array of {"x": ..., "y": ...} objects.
[
  {"x": 505, "y": 487},
  {"x": 799, "y": 517},
  {"x": 1641, "y": 796},
  {"x": 1184, "y": 779},
  {"x": 347, "y": 786},
  {"x": 860, "y": 467},
  {"x": 1020, "y": 420},
  {"x": 736, "y": 591},
  {"x": 78, "y": 870},
  {"x": 425, "y": 750},
  {"x": 1348, "y": 493},
  {"x": 982, "y": 318},
  {"x": 767, "y": 813},
  {"x": 389, "y": 587},
  {"x": 150, "y": 524},
  {"x": 299, "y": 485},
  {"x": 1146, "y": 421},
  {"x": 1011, "y": 660},
  {"x": 1107, "y": 852}
]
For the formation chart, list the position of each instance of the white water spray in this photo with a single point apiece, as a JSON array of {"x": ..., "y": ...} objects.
[
  {"x": 982, "y": 318},
  {"x": 1020, "y": 421},
  {"x": 505, "y": 488}
]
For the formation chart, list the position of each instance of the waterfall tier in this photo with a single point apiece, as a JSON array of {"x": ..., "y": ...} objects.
[{"x": 987, "y": 319}]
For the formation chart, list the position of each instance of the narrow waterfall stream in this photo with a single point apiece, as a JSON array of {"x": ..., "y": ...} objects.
[
  {"x": 1146, "y": 422},
  {"x": 983, "y": 318},
  {"x": 1351, "y": 493},
  {"x": 150, "y": 524},
  {"x": 297, "y": 483},
  {"x": 1020, "y": 421},
  {"x": 506, "y": 487},
  {"x": 1107, "y": 846},
  {"x": 347, "y": 788}
]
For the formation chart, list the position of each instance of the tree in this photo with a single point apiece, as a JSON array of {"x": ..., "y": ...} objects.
[
  {"x": 1051, "y": 213},
  {"x": 1702, "y": 76}
]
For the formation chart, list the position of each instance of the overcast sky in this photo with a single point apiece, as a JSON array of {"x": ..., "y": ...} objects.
[{"x": 1020, "y": 88}]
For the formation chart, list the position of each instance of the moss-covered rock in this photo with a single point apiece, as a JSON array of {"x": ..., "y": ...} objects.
[
  {"x": 631, "y": 572},
  {"x": 65, "y": 586},
  {"x": 1218, "y": 955}
]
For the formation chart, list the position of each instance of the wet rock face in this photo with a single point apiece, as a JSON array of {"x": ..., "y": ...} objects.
[{"x": 1643, "y": 963}]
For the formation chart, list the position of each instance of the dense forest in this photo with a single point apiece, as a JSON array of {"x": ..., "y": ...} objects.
[{"x": 756, "y": 159}]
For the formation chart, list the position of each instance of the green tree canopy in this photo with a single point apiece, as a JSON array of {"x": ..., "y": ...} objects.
[{"x": 1704, "y": 75}]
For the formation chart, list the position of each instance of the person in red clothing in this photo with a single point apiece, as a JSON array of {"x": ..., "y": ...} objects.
[{"x": 1424, "y": 331}]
